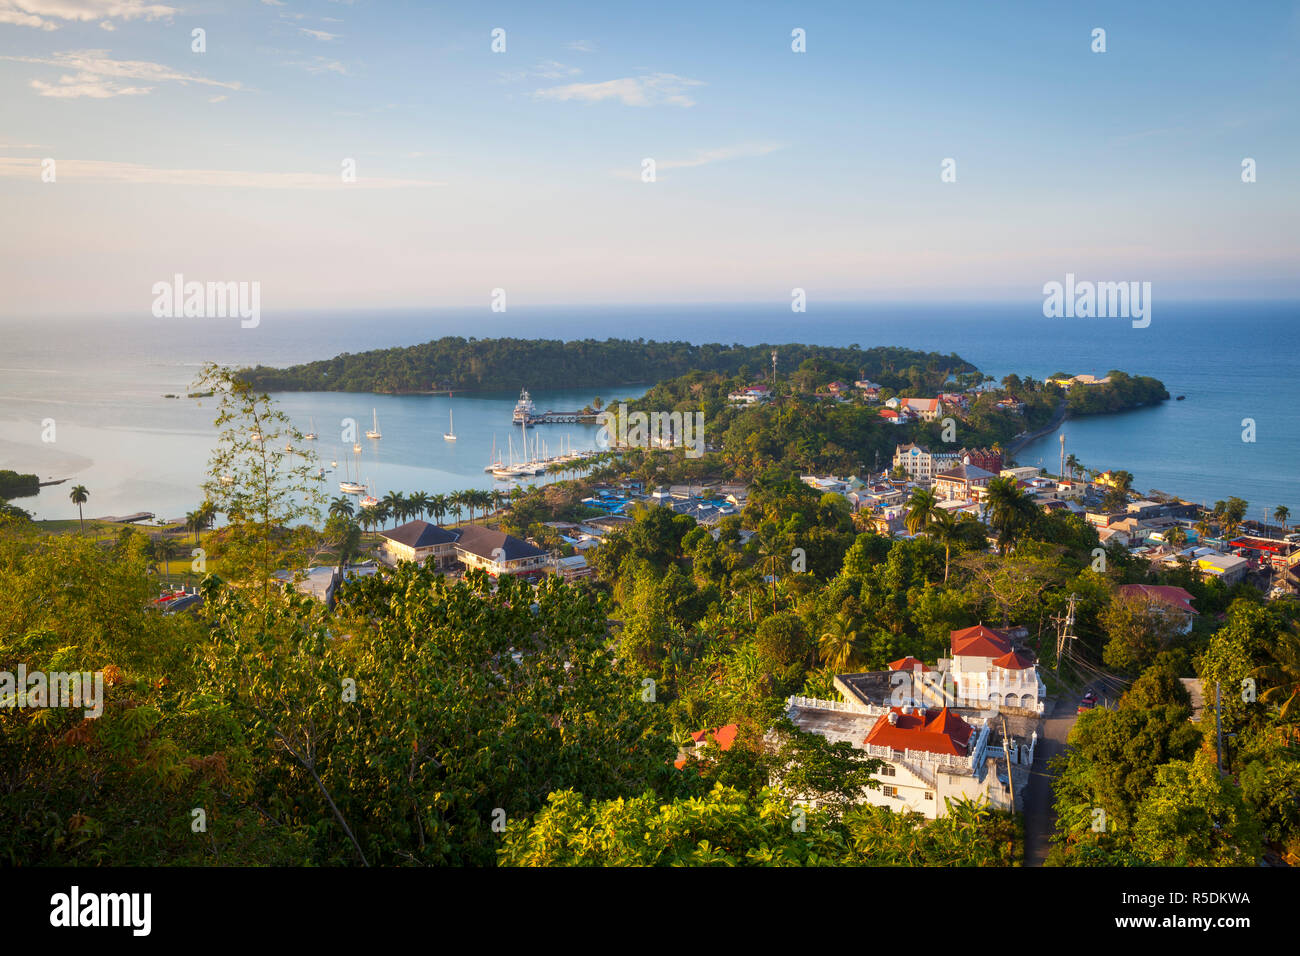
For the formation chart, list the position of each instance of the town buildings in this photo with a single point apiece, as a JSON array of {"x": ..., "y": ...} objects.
[{"x": 470, "y": 546}]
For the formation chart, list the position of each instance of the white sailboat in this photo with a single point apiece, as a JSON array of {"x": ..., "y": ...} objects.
[
  {"x": 495, "y": 462},
  {"x": 450, "y": 435},
  {"x": 375, "y": 432},
  {"x": 368, "y": 500},
  {"x": 311, "y": 435},
  {"x": 347, "y": 486}
]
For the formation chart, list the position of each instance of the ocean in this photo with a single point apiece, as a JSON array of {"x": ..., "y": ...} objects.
[{"x": 81, "y": 397}]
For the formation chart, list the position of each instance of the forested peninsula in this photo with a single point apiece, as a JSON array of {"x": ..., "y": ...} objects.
[{"x": 472, "y": 364}]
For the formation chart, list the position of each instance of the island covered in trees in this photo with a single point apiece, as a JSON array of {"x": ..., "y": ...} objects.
[{"x": 464, "y": 364}]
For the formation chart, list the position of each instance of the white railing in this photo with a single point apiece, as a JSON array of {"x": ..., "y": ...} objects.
[{"x": 815, "y": 703}]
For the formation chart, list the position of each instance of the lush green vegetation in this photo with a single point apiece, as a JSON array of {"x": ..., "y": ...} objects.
[
  {"x": 428, "y": 722},
  {"x": 15, "y": 485},
  {"x": 1121, "y": 393},
  {"x": 459, "y": 363}
]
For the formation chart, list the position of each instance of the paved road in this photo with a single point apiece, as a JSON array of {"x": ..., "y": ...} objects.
[
  {"x": 1055, "y": 423},
  {"x": 1040, "y": 818}
]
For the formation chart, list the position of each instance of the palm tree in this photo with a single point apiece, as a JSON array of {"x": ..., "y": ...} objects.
[
  {"x": 378, "y": 514},
  {"x": 1177, "y": 537},
  {"x": 1072, "y": 462},
  {"x": 1280, "y": 514},
  {"x": 78, "y": 495},
  {"x": 341, "y": 507},
  {"x": 457, "y": 502},
  {"x": 164, "y": 549},
  {"x": 394, "y": 506},
  {"x": 944, "y": 528},
  {"x": 1010, "y": 510},
  {"x": 839, "y": 645},
  {"x": 438, "y": 507},
  {"x": 419, "y": 504},
  {"x": 921, "y": 510},
  {"x": 207, "y": 514},
  {"x": 194, "y": 523},
  {"x": 1283, "y": 674}
]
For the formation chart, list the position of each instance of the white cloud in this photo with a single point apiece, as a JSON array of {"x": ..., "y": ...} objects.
[
  {"x": 98, "y": 171},
  {"x": 554, "y": 70},
  {"x": 44, "y": 14},
  {"x": 108, "y": 25},
  {"x": 88, "y": 85},
  {"x": 274, "y": 3},
  {"x": 704, "y": 157},
  {"x": 218, "y": 99},
  {"x": 653, "y": 89},
  {"x": 320, "y": 64},
  {"x": 318, "y": 34},
  {"x": 582, "y": 46},
  {"x": 94, "y": 74}
]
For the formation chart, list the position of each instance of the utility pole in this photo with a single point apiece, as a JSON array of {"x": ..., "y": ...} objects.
[
  {"x": 1006, "y": 750},
  {"x": 1064, "y": 626},
  {"x": 1218, "y": 726},
  {"x": 773, "y": 367},
  {"x": 1061, "y": 473}
]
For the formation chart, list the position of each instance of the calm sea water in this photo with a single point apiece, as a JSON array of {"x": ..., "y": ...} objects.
[{"x": 101, "y": 381}]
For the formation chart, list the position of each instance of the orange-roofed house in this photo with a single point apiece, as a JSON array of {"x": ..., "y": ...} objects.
[
  {"x": 929, "y": 755},
  {"x": 722, "y": 737},
  {"x": 932, "y": 756},
  {"x": 988, "y": 671}
]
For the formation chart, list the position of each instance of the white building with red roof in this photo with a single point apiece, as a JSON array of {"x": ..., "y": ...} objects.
[
  {"x": 987, "y": 671},
  {"x": 929, "y": 756}
]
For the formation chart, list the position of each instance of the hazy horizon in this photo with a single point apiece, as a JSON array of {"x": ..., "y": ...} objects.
[{"x": 522, "y": 169}]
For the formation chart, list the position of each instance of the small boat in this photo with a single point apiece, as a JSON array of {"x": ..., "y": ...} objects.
[
  {"x": 311, "y": 435},
  {"x": 356, "y": 448},
  {"x": 375, "y": 432},
  {"x": 368, "y": 501},
  {"x": 255, "y": 435},
  {"x": 451, "y": 423},
  {"x": 1180, "y": 398},
  {"x": 334, "y": 462},
  {"x": 288, "y": 446},
  {"x": 351, "y": 488}
]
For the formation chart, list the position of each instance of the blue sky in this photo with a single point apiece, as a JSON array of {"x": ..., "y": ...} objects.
[{"x": 521, "y": 170}]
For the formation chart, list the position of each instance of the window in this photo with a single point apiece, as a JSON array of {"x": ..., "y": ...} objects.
[
  {"x": 890, "y": 791},
  {"x": 929, "y": 794},
  {"x": 887, "y": 771}
]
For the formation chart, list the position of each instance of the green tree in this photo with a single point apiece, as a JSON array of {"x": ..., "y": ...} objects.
[
  {"x": 79, "y": 496},
  {"x": 269, "y": 492},
  {"x": 1193, "y": 816}
]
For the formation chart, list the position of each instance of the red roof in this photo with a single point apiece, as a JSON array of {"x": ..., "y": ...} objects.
[
  {"x": 1164, "y": 593},
  {"x": 979, "y": 641},
  {"x": 1013, "y": 661},
  {"x": 934, "y": 731},
  {"x": 908, "y": 663},
  {"x": 724, "y": 736}
]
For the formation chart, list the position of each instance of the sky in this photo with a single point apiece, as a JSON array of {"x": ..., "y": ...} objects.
[{"x": 522, "y": 169}]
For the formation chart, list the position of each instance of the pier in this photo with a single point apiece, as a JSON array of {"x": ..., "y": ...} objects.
[{"x": 561, "y": 418}]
